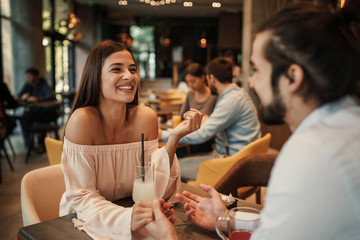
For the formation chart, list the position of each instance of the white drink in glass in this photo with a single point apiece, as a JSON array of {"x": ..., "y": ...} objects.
[
  {"x": 144, "y": 187},
  {"x": 143, "y": 190}
]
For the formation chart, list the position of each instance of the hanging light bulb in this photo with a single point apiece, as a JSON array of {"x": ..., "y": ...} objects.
[
  {"x": 188, "y": 4},
  {"x": 216, "y": 4}
]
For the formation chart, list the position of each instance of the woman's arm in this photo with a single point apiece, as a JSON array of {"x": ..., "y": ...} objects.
[
  {"x": 191, "y": 123},
  {"x": 184, "y": 107}
]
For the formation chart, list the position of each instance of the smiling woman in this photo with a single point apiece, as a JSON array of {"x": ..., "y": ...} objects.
[
  {"x": 120, "y": 77},
  {"x": 102, "y": 148}
]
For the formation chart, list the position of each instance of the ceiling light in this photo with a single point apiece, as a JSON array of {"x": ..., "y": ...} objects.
[
  {"x": 123, "y": 2},
  {"x": 188, "y": 4},
  {"x": 216, "y": 4}
]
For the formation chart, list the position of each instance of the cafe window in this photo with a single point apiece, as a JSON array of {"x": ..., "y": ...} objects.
[
  {"x": 6, "y": 47},
  {"x": 143, "y": 49},
  {"x": 58, "y": 42}
]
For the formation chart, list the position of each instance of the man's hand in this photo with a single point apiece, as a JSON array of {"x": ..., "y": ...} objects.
[
  {"x": 162, "y": 228},
  {"x": 203, "y": 211},
  {"x": 142, "y": 214}
]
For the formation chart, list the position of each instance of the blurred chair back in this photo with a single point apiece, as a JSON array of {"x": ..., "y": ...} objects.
[
  {"x": 53, "y": 150},
  {"x": 41, "y": 192},
  {"x": 211, "y": 171},
  {"x": 251, "y": 171}
]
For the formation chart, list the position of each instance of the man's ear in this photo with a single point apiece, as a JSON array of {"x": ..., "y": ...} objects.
[
  {"x": 296, "y": 77},
  {"x": 211, "y": 79}
]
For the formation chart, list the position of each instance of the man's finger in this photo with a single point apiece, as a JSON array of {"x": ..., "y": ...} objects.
[
  {"x": 192, "y": 196},
  {"x": 209, "y": 189}
]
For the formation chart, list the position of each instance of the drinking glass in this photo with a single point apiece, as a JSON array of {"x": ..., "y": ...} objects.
[
  {"x": 239, "y": 223},
  {"x": 176, "y": 120},
  {"x": 144, "y": 183}
]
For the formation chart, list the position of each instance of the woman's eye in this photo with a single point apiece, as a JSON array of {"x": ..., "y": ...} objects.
[
  {"x": 116, "y": 70},
  {"x": 133, "y": 70}
]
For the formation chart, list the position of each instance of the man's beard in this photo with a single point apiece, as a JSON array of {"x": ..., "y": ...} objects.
[
  {"x": 274, "y": 113},
  {"x": 213, "y": 90}
]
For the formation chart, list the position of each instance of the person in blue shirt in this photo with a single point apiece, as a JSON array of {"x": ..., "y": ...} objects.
[
  {"x": 234, "y": 122},
  {"x": 36, "y": 90}
]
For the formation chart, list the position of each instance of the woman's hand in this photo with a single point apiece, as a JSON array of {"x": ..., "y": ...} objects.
[
  {"x": 161, "y": 227},
  {"x": 191, "y": 123},
  {"x": 142, "y": 214},
  {"x": 203, "y": 211}
]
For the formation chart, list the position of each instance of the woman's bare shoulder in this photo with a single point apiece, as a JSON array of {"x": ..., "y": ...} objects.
[
  {"x": 83, "y": 125},
  {"x": 146, "y": 119}
]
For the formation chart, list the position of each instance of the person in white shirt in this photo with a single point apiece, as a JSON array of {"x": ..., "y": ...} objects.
[{"x": 306, "y": 74}]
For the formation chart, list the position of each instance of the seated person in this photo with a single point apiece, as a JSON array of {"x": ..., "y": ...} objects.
[
  {"x": 199, "y": 98},
  {"x": 102, "y": 146},
  {"x": 234, "y": 122},
  {"x": 36, "y": 90}
]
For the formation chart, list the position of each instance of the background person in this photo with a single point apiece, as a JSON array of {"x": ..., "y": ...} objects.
[
  {"x": 233, "y": 123},
  {"x": 200, "y": 98},
  {"x": 36, "y": 90},
  {"x": 102, "y": 146}
]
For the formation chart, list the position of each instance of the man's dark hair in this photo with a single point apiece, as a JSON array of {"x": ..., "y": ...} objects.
[
  {"x": 33, "y": 71},
  {"x": 221, "y": 68},
  {"x": 321, "y": 43}
]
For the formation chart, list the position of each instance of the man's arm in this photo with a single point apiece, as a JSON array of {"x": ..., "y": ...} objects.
[
  {"x": 44, "y": 93},
  {"x": 223, "y": 116}
]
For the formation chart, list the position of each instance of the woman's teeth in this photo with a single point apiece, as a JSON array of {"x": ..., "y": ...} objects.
[{"x": 125, "y": 87}]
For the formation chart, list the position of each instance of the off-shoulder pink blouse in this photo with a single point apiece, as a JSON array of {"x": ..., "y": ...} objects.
[{"x": 96, "y": 175}]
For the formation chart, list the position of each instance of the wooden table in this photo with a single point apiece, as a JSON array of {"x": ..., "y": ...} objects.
[{"x": 62, "y": 227}]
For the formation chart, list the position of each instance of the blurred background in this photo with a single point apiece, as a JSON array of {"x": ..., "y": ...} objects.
[{"x": 55, "y": 36}]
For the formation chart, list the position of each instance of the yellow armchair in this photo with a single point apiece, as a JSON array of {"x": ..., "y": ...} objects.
[
  {"x": 53, "y": 150},
  {"x": 211, "y": 171}
]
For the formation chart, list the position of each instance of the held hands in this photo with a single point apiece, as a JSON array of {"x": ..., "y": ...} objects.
[
  {"x": 161, "y": 227},
  {"x": 191, "y": 123},
  {"x": 203, "y": 211},
  {"x": 143, "y": 214}
]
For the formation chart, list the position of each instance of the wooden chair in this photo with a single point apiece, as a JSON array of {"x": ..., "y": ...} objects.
[
  {"x": 53, "y": 150},
  {"x": 251, "y": 171},
  {"x": 211, "y": 171},
  {"x": 41, "y": 192}
]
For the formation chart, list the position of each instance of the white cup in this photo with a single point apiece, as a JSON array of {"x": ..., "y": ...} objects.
[{"x": 144, "y": 183}]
